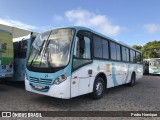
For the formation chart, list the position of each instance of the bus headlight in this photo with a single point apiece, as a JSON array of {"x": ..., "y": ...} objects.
[{"x": 60, "y": 79}]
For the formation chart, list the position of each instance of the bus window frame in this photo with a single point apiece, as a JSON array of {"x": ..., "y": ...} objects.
[
  {"x": 102, "y": 38},
  {"x": 83, "y": 33}
]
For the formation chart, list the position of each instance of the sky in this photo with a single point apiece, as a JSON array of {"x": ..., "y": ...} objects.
[{"x": 134, "y": 22}]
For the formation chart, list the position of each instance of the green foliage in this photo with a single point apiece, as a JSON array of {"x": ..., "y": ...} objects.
[
  {"x": 138, "y": 47},
  {"x": 150, "y": 49}
]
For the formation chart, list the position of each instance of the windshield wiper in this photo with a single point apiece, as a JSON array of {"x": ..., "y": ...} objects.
[
  {"x": 45, "y": 47},
  {"x": 38, "y": 52},
  {"x": 48, "y": 62}
]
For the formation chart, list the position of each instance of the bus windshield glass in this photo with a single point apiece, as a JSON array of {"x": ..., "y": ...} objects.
[{"x": 51, "y": 49}]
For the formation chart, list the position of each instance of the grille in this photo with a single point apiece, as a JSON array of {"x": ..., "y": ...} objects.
[{"x": 41, "y": 81}]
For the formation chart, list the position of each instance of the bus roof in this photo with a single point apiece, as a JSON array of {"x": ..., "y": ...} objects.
[
  {"x": 4, "y": 31},
  {"x": 20, "y": 38},
  {"x": 88, "y": 29}
]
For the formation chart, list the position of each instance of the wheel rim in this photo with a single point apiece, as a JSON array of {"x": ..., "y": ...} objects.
[{"x": 99, "y": 88}]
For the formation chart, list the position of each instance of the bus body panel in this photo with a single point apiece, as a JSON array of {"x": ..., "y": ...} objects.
[
  {"x": 19, "y": 69},
  {"x": 79, "y": 85},
  {"x": 80, "y": 82},
  {"x": 117, "y": 73},
  {"x": 6, "y": 54}
]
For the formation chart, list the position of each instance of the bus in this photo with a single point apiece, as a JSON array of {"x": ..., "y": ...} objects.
[
  {"x": 6, "y": 54},
  {"x": 73, "y": 61},
  {"x": 152, "y": 66},
  {"x": 21, "y": 50}
]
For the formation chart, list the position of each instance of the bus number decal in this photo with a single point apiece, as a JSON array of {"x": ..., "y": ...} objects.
[{"x": 46, "y": 75}]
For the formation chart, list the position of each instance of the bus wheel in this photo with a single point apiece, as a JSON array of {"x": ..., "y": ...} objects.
[
  {"x": 98, "y": 88},
  {"x": 133, "y": 79}
]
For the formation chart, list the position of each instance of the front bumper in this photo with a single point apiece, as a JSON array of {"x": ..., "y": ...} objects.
[{"x": 59, "y": 91}]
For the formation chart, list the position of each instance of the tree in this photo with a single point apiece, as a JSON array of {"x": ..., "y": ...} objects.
[
  {"x": 150, "y": 49},
  {"x": 138, "y": 47}
]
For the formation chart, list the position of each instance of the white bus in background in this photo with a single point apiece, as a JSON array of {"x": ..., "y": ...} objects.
[
  {"x": 22, "y": 47},
  {"x": 72, "y": 61},
  {"x": 152, "y": 66}
]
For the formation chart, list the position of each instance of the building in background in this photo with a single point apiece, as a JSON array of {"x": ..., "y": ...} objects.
[{"x": 16, "y": 32}]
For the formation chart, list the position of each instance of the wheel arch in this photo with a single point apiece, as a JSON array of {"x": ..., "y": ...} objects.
[{"x": 101, "y": 74}]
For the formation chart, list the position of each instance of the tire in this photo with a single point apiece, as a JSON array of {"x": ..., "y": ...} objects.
[
  {"x": 133, "y": 80},
  {"x": 98, "y": 88}
]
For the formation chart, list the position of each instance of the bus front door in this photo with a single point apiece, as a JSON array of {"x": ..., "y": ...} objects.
[{"x": 80, "y": 81}]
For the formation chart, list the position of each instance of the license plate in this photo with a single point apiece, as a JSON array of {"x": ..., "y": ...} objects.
[{"x": 38, "y": 87}]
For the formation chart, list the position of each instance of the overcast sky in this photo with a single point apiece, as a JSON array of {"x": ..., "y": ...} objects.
[{"x": 130, "y": 21}]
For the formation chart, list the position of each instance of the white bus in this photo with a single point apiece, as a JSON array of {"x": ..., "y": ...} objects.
[
  {"x": 72, "y": 61},
  {"x": 22, "y": 47},
  {"x": 152, "y": 66}
]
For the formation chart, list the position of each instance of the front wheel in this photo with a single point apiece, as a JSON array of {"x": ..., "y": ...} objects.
[{"x": 98, "y": 88}]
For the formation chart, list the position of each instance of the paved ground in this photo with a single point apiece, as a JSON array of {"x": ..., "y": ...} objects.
[{"x": 145, "y": 95}]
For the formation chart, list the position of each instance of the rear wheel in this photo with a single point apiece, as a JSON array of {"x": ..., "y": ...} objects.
[
  {"x": 133, "y": 79},
  {"x": 98, "y": 88}
]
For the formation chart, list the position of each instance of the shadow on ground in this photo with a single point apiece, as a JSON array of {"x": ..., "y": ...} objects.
[{"x": 17, "y": 84}]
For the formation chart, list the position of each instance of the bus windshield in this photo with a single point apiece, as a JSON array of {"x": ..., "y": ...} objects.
[{"x": 51, "y": 49}]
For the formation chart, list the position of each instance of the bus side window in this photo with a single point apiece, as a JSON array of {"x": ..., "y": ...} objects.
[
  {"x": 76, "y": 49},
  {"x": 23, "y": 49},
  {"x": 16, "y": 49},
  {"x": 138, "y": 57},
  {"x": 82, "y": 52},
  {"x": 87, "y": 52}
]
